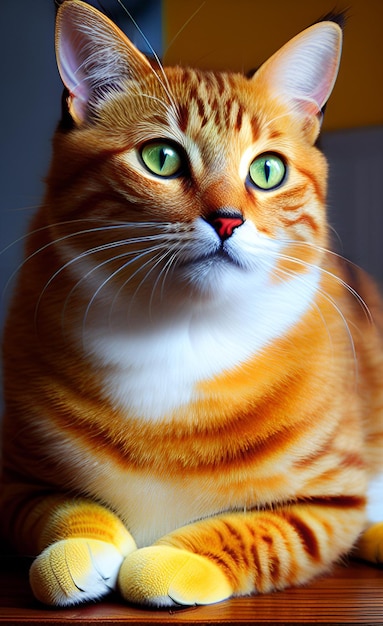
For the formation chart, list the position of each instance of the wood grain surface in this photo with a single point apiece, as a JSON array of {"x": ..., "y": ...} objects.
[{"x": 351, "y": 594}]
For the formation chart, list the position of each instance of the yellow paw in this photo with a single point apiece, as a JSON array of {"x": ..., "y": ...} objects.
[
  {"x": 370, "y": 544},
  {"x": 165, "y": 576},
  {"x": 75, "y": 570}
]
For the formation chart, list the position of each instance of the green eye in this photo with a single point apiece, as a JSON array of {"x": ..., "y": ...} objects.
[
  {"x": 267, "y": 171},
  {"x": 161, "y": 159}
]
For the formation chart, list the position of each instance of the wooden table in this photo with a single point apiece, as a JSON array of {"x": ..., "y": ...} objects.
[{"x": 352, "y": 594}]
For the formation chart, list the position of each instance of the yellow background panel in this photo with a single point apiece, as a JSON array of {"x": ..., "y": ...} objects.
[{"x": 240, "y": 34}]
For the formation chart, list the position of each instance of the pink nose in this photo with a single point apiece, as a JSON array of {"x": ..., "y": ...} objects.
[{"x": 224, "y": 223}]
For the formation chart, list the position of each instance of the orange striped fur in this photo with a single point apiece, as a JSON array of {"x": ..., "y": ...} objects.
[{"x": 193, "y": 386}]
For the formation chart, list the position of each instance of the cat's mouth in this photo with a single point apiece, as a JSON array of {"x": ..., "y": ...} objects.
[
  {"x": 218, "y": 258},
  {"x": 223, "y": 256}
]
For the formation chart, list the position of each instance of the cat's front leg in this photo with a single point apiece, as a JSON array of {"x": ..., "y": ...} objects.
[
  {"x": 83, "y": 545},
  {"x": 242, "y": 553}
]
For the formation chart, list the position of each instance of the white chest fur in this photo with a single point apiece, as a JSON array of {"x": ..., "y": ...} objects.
[{"x": 153, "y": 369}]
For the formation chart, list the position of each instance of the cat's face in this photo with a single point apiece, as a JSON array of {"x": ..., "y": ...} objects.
[{"x": 184, "y": 180}]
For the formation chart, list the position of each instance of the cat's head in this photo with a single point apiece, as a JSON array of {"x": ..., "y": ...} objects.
[{"x": 188, "y": 177}]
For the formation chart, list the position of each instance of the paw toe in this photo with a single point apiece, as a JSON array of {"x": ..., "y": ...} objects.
[
  {"x": 165, "y": 576},
  {"x": 75, "y": 570}
]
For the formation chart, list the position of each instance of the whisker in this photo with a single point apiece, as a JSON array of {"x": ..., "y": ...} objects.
[
  {"x": 184, "y": 26},
  {"x": 165, "y": 82},
  {"x": 96, "y": 268},
  {"x": 172, "y": 253},
  {"x": 170, "y": 265},
  {"x": 114, "y": 274},
  {"x": 268, "y": 123},
  {"x": 12, "y": 210},
  {"x": 68, "y": 264},
  {"x": 106, "y": 226},
  {"x": 337, "y": 235},
  {"x": 350, "y": 289},
  {"x": 290, "y": 274},
  {"x": 47, "y": 245},
  {"x": 156, "y": 260},
  {"x": 89, "y": 252},
  {"x": 323, "y": 294},
  {"x": 158, "y": 257}
]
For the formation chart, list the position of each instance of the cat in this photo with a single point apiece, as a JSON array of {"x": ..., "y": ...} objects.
[{"x": 193, "y": 380}]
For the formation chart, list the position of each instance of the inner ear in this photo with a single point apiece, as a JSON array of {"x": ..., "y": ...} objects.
[
  {"x": 94, "y": 57},
  {"x": 303, "y": 72}
]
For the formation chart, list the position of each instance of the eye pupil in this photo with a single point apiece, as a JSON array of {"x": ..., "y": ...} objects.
[
  {"x": 163, "y": 155},
  {"x": 267, "y": 170}
]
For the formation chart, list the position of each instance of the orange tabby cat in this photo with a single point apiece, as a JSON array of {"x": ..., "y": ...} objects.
[{"x": 193, "y": 394}]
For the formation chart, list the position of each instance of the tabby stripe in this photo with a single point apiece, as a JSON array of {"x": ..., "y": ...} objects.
[
  {"x": 257, "y": 564},
  {"x": 220, "y": 84},
  {"x": 238, "y": 123},
  {"x": 306, "y": 534},
  {"x": 220, "y": 561},
  {"x": 275, "y": 569},
  {"x": 297, "y": 193},
  {"x": 207, "y": 79},
  {"x": 240, "y": 543},
  {"x": 193, "y": 94},
  {"x": 314, "y": 181},
  {"x": 217, "y": 112},
  {"x": 223, "y": 555},
  {"x": 264, "y": 551},
  {"x": 340, "y": 502},
  {"x": 275, "y": 134},
  {"x": 302, "y": 219},
  {"x": 124, "y": 452},
  {"x": 255, "y": 128},
  {"x": 183, "y": 116},
  {"x": 314, "y": 457},
  {"x": 352, "y": 460},
  {"x": 201, "y": 111},
  {"x": 345, "y": 459}
]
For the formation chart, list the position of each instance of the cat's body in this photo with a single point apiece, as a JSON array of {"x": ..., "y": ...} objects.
[{"x": 182, "y": 350}]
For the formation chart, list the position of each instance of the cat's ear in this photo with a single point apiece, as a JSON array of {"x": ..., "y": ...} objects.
[
  {"x": 303, "y": 72},
  {"x": 94, "y": 57}
]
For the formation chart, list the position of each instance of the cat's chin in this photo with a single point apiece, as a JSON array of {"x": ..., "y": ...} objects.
[
  {"x": 216, "y": 273},
  {"x": 216, "y": 261}
]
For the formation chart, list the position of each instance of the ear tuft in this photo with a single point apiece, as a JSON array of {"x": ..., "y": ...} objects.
[
  {"x": 339, "y": 17},
  {"x": 303, "y": 72},
  {"x": 94, "y": 57}
]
